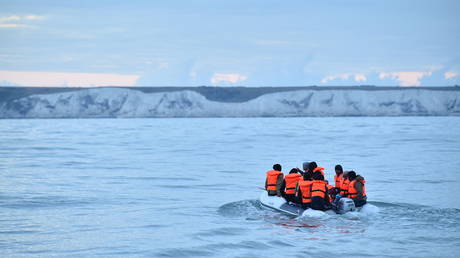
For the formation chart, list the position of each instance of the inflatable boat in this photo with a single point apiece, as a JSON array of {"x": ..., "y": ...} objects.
[{"x": 343, "y": 206}]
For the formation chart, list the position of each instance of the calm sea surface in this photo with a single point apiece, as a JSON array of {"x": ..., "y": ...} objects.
[{"x": 189, "y": 187}]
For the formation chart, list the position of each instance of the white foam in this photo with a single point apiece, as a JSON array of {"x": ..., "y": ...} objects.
[
  {"x": 369, "y": 209},
  {"x": 314, "y": 214}
]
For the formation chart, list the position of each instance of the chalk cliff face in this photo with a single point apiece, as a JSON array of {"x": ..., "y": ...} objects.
[{"x": 121, "y": 102}]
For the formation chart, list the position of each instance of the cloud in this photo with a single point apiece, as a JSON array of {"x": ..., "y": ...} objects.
[
  {"x": 406, "y": 78},
  {"x": 19, "y": 18},
  {"x": 358, "y": 77},
  {"x": 10, "y": 18},
  {"x": 58, "y": 79},
  {"x": 13, "y": 25},
  {"x": 227, "y": 77},
  {"x": 449, "y": 75},
  {"x": 34, "y": 17}
]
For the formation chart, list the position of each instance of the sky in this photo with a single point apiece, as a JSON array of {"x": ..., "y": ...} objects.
[{"x": 229, "y": 43}]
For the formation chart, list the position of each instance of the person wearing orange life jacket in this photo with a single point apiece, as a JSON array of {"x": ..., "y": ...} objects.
[
  {"x": 344, "y": 185},
  {"x": 338, "y": 176},
  {"x": 274, "y": 181},
  {"x": 290, "y": 181},
  {"x": 319, "y": 193},
  {"x": 303, "y": 191},
  {"x": 313, "y": 167},
  {"x": 334, "y": 190},
  {"x": 357, "y": 189},
  {"x": 331, "y": 191}
]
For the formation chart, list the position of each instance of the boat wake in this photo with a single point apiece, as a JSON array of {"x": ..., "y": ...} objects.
[{"x": 384, "y": 211}]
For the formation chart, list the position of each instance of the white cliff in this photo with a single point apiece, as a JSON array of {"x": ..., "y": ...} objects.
[{"x": 121, "y": 102}]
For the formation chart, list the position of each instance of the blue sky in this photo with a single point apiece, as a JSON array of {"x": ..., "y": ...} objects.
[{"x": 238, "y": 42}]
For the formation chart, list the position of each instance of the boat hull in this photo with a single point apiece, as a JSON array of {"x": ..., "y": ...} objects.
[{"x": 279, "y": 204}]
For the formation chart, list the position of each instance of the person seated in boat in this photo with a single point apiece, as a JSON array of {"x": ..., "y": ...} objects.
[
  {"x": 303, "y": 191},
  {"x": 331, "y": 191},
  {"x": 290, "y": 181},
  {"x": 313, "y": 167},
  {"x": 304, "y": 167},
  {"x": 343, "y": 190},
  {"x": 357, "y": 189},
  {"x": 274, "y": 182},
  {"x": 319, "y": 193},
  {"x": 338, "y": 176}
]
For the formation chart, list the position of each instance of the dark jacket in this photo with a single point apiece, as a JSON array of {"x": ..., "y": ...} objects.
[{"x": 359, "y": 188}]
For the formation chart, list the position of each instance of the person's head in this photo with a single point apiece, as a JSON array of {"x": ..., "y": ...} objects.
[
  {"x": 312, "y": 165},
  {"x": 307, "y": 176},
  {"x": 351, "y": 175},
  {"x": 338, "y": 169},
  {"x": 318, "y": 176},
  {"x": 345, "y": 174},
  {"x": 294, "y": 170},
  {"x": 277, "y": 167},
  {"x": 305, "y": 166}
]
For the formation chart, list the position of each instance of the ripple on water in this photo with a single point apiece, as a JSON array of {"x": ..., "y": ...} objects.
[
  {"x": 214, "y": 249},
  {"x": 224, "y": 231},
  {"x": 20, "y": 202}
]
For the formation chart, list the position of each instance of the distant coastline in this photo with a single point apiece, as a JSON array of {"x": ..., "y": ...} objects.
[
  {"x": 213, "y": 93},
  {"x": 133, "y": 102}
]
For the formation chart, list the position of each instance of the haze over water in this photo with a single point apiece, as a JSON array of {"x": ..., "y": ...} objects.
[{"x": 189, "y": 187}]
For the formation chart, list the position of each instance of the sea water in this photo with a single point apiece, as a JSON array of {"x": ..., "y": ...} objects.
[{"x": 189, "y": 187}]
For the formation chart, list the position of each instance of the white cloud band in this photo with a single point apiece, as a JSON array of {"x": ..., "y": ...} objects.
[
  {"x": 450, "y": 75},
  {"x": 58, "y": 79},
  {"x": 227, "y": 77},
  {"x": 358, "y": 77},
  {"x": 406, "y": 79}
]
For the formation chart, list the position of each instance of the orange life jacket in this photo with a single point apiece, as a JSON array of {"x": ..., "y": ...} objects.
[
  {"x": 291, "y": 182},
  {"x": 319, "y": 189},
  {"x": 352, "y": 192},
  {"x": 338, "y": 180},
  {"x": 320, "y": 169},
  {"x": 305, "y": 188},
  {"x": 272, "y": 178},
  {"x": 330, "y": 187},
  {"x": 344, "y": 187}
]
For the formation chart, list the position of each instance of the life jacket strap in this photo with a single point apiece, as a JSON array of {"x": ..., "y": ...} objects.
[{"x": 318, "y": 191}]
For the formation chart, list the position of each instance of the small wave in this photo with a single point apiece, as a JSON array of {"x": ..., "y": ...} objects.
[
  {"x": 216, "y": 249},
  {"x": 184, "y": 252},
  {"x": 245, "y": 208},
  {"x": 16, "y": 232},
  {"x": 396, "y": 205},
  {"x": 232, "y": 172},
  {"x": 43, "y": 202},
  {"x": 224, "y": 231}
]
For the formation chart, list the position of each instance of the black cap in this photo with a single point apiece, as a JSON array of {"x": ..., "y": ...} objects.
[{"x": 305, "y": 165}]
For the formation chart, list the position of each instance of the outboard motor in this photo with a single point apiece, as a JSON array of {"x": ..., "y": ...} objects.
[{"x": 344, "y": 205}]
